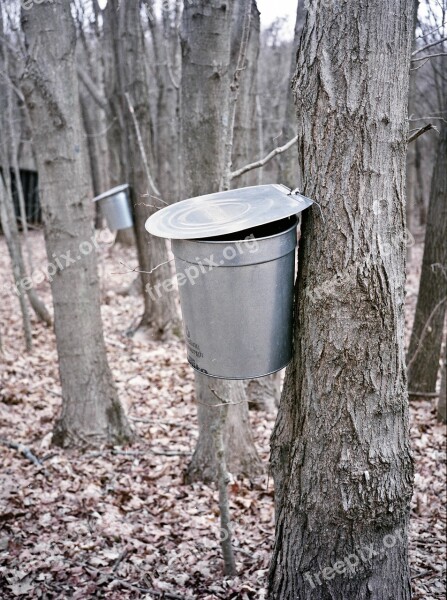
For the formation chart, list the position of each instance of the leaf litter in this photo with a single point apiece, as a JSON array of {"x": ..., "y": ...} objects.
[{"x": 120, "y": 523}]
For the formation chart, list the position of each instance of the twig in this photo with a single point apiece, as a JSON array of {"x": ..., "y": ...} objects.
[
  {"x": 133, "y": 453},
  {"x": 120, "y": 558},
  {"x": 420, "y": 131},
  {"x": 266, "y": 159},
  {"x": 26, "y": 453},
  {"x": 429, "y": 56},
  {"x": 424, "y": 394},
  {"x": 141, "y": 146},
  {"x": 428, "y": 46},
  {"x": 137, "y": 270}
]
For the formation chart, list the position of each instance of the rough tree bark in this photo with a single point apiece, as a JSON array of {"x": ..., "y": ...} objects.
[
  {"x": 91, "y": 411},
  {"x": 205, "y": 38},
  {"x": 426, "y": 336},
  {"x": 340, "y": 448}
]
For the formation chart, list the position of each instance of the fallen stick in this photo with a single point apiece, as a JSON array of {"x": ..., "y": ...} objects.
[{"x": 26, "y": 453}]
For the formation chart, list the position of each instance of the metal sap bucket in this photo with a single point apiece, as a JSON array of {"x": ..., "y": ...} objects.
[
  {"x": 236, "y": 295},
  {"x": 235, "y": 258},
  {"x": 115, "y": 207}
]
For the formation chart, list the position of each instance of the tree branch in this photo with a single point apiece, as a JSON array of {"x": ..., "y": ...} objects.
[
  {"x": 429, "y": 56},
  {"x": 26, "y": 453},
  {"x": 141, "y": 146},
  {"x": 420, "y": 132},
  {"x": 266, "y": 159},
  {"x": 428, "y": 46}
]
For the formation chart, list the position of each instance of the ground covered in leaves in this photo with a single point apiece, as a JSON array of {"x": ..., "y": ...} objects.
[{"x": 121, "y": 523}]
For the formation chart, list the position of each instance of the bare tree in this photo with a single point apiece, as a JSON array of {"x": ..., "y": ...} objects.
[
  {"x": 340, "y": 448},
  {"x": 245, "y": 142},
  {"x": 136, "y": 144},
  {"x": 206, "y": 38},
  {"x": 426, "y": 336},
  {"x": 91, "y": 411},
  {"x": 288, "y": 164}
]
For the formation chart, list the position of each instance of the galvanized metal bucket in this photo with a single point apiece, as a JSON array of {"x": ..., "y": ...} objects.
[
  {"x": 115, "y": 207},
  {"x": 236, "y": 294}
]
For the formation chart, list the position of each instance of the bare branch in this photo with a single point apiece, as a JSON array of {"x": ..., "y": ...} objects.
[
  {"x": 266, "y": 159},
  {"x": 429, "y": 56},
  {"x": 420, "y": 132},
  {"x": 26, "y": 453},
  {"x": 141, "y": 146},
  {"x": 428, "y": 46}
]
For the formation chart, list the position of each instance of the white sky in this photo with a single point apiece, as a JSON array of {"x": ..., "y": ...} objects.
[{"x": 272, "y": 9}]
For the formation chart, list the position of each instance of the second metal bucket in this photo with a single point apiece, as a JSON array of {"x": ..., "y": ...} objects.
[
  {"x": 116, "y": 208},
  {"x": 236, "y": 294}
]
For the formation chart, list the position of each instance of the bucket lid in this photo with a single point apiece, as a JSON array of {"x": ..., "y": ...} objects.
[
  {"x": 226, "y": 212},
  {"x": 112, "y": 192}
]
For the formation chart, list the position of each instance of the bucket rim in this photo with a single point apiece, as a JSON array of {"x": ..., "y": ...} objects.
[
  {"x": 238, "y": 241},
  {"x": 111, "y": 192}
]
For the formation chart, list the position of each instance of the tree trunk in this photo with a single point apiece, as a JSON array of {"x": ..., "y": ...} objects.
[
  {"x": 245, "y": 142},
  {"x": 166, "y": 49},
  {"x": 118, "y": 158},
  {"x": 91, "y": 411},
  {"x": 288, "y": 162},
  {"x": 426, "y": 337},
  {"x": 441, "y": 409},
  {"x": 264, "y": 393},
  {"x": 159, "y": 314},
  {"x": 240, "y": 453},
  {"x": 9, "y": 227},
  {"x": 340, "y": 448},
  {"x": 206, "y": 29}
]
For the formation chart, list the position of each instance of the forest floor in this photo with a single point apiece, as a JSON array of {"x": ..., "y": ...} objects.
[{"x": 121, "y": 523}]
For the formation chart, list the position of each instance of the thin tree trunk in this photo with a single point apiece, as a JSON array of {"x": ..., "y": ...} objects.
[
  {"x": 245, "y": 127},
  {"x": 166, "y": 48},
  {"x": 91, "y": 411},
  {"x": 9, "y": 227},
  {"x": 240, "y": 453},
  {"x": 340, "y": 448},
  {"x": 426, "y": 337},
  {"x": 288, "y": 163},
  {"x": 206, "y": 31},
  {"x": 441, "y": 408},
  {"x": 161, "y": 315}
]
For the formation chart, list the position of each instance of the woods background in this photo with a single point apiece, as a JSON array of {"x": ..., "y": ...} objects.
[{"x": 108, "y": 438}]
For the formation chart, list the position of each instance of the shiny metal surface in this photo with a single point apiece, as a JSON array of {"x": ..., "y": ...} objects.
[
  {"x": 236, "y": 298},
  {"x": 115, "y": 207},
  {"x": 226, "y": 212}
]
